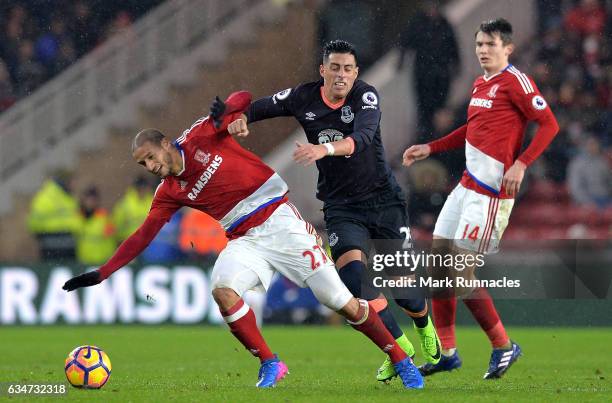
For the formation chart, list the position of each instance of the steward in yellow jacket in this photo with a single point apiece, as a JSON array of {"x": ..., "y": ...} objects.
[
  {"x": 96, "y": 236},
  {"x": 54, "y": 219}
]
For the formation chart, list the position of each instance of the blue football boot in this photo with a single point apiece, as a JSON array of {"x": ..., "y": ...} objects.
[
  {"x": 445, "y": 364},
  {"x": 270, "y": 372},
  {"x": 501, "y": 360},
  {"x": 409, "y": 374}
]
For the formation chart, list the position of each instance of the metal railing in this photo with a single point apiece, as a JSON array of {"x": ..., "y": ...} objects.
[{"x": 113, "y": 70}]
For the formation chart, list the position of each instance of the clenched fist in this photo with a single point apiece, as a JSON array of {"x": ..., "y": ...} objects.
[{"x": 238, "y": 127}]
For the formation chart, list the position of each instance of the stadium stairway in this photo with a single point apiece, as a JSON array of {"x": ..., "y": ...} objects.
[{"x": 248, "y": 64}]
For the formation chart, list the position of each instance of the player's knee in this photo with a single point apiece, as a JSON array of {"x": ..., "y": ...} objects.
[
  {"x": 336, "y": 301},
  {"x": 225, "y": 297},
  {"x": 352, "y": 311}
]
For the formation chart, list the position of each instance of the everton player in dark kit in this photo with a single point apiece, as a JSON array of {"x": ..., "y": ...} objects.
[{"x": 362, "y": 200}]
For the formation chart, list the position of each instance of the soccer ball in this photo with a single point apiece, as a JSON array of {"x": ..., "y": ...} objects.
[{"x": 87, "y": 367}]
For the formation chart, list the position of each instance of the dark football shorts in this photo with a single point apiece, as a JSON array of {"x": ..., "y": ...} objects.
[{"x": 380, "y": 222}]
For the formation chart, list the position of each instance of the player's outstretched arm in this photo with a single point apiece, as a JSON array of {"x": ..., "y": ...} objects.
[
  {"x": 416, "y": 153},
  {"x": 126, "y": 252}
]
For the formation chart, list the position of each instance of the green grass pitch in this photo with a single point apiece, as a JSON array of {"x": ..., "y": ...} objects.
[{"x": 327, "y": 364}]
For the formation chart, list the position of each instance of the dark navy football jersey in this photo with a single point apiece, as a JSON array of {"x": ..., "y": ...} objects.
[{"x": 342, "y": 179}]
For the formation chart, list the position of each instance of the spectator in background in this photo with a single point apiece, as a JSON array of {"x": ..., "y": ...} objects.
[
  {"x": 54, "y": 218},
  {"x": 201, "y": 235},
  {"x": 444, "y": 121},
  {"x": 84, "y": 32},
  {"x": 120, "y": 24},
  {"x": 30, "y": 73},
  {"x": 45, "y": 24},
  {"x": 7, "y": 95},
  {"x": 432, "y": 38},
  {"x": 352, "y": 21},
  {"x": 9, "y": 45},
  {"x": 586, "y": 18},
  {"x": 549, "y": 14},
  {"x": 65, "y": 57},
  {"x": 132, "y": 209},
  {"x": 49, "y": 47},
  {"x": 95, "y": 237},
  {"x": 589, "y": 176}
]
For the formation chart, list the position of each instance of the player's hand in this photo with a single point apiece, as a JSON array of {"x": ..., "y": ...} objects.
[
  {"x": 514, "y": 177},
  {"x": 307, "y": 154},
  {"x": 415, "y": 153},
  {"x": 217, "y": 108},
  {"x": 84, "y": 280},
  {"x": 239, "y": 127}
]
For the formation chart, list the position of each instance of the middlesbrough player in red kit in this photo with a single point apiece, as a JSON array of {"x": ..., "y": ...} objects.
[
  {"x": 476, "y": 212},
  {"x": 206, "y": 169}
]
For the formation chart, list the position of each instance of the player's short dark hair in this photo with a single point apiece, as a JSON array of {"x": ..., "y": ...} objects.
[
  {"x": 152, "y": 136},
  {"x": 338, "y": 46},
  {"x": 498, "y": 26}
]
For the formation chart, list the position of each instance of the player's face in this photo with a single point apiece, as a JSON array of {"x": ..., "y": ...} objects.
[
  {"x": 156, "y": 159},
  {"x": 492, "y": 53},
  {"x": 339, "y": 73}
]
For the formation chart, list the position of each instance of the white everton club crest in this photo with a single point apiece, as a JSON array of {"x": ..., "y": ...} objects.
[
  {"x": 346, "y": 114},
  {"x": 538, "y": 102},
  {"x": 333, "y": 239},
  {"x": 493, "y": 91},
  {"x": 202, "y": 156},
  {"x": 370, "y": 98}
]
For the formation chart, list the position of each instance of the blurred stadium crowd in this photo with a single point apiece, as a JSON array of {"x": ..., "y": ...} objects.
[
  {"x": 40, "y": 38},
  {"x": 569, "y": 189}
]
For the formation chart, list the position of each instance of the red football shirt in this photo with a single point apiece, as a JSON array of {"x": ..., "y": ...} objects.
[
  {"x": 499, "y": 110},
  {"x": 219, "y": 177}
]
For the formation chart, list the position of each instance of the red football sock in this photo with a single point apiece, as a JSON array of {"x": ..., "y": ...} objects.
[
  {"x": 368, "y": 322},
  {"x": 243, "y": 325},
  {"x": 481, "y": 306},
  {"x": 443, "y": 310}
]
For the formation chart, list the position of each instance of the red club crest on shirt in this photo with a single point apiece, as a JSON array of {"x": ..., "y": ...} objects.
[
  {"x": 202, "y": 156},
  {"x": 493, "y": 91}
]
